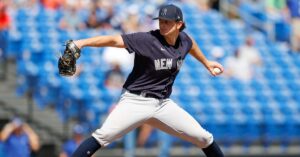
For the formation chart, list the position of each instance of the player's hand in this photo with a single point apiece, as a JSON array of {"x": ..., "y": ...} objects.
[
  {"x": 78, "y": 43},
  {"x": 67, "y": 62},
  {"x": 214, "y": 68}
]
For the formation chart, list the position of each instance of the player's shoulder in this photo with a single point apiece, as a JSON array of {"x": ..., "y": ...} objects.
[
  {"x": 184, "y": 36},
  {"x": 139, "y": 35},
  {"x": 155, "y": 34}
]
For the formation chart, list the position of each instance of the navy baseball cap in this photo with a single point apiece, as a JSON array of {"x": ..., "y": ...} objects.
[{"x": 170, "y": 12}]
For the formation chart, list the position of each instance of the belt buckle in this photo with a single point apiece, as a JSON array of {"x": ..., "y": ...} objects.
[{"x": 143, "y": 94}]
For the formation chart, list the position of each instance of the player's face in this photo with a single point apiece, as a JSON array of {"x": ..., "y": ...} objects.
[{"x": 167, "y": 27}]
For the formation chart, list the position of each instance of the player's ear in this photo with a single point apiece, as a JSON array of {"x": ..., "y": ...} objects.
[{"x": 180, "y": 25}]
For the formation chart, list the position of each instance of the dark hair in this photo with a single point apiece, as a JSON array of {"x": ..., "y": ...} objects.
[{"x": 182, "y": 27}]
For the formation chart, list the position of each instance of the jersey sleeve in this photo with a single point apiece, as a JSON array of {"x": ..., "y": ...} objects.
[
  {"x": 189, "y": 41},
  {"x": 136, "y": 42}
]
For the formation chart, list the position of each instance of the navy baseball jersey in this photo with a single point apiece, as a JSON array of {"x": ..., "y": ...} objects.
[{"x": 156, "y": 63}]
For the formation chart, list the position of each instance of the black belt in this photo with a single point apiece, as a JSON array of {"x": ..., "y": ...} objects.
[{"x": 144, "y": 94}]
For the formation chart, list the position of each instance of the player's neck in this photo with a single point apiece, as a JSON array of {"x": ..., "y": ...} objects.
[{"x": 172, "y": 38}]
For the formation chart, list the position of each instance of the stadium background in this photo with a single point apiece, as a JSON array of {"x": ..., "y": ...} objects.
[{"x": 259, "y": 117}]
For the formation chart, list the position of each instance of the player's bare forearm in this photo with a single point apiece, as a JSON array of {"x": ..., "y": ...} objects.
[
  {"x": 210, "y": 65},
  {"x": 101, "y": 41},
  {"x": 198, "y": 54}
]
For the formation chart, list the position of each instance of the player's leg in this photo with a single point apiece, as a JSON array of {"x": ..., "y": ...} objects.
[
  {"x": 87, "y": 148},
  {"x": 131, "y": 111},
  {"x": 176, "y": 121}
]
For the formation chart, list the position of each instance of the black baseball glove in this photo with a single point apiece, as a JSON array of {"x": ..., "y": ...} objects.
[{"x": 67, "y": 62}]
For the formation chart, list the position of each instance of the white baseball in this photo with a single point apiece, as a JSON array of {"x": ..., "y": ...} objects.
[{"x": 217, "y": 70}]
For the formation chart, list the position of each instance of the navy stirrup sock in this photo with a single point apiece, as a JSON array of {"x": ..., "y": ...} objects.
[
  {"x": 213, "y": 150},
  {"x": 87, "y": 148}
]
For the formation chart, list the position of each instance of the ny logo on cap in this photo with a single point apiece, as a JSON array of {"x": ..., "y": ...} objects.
[{"x": 164, "y": 12}]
